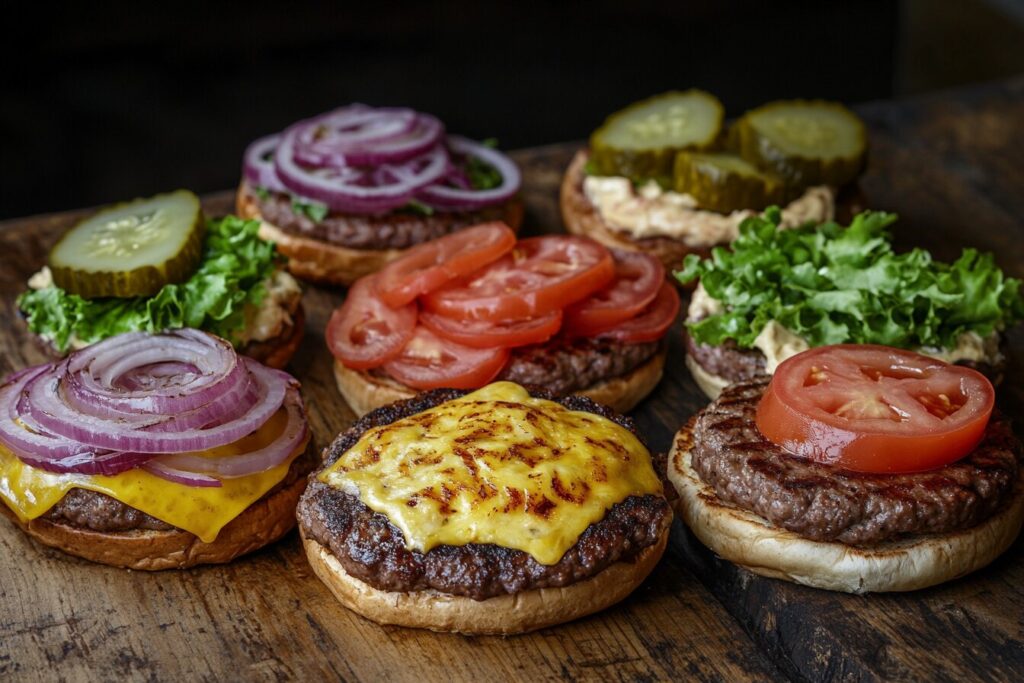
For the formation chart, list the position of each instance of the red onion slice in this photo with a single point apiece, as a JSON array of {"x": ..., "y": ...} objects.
[
  {"x": 180, "y": 477},
  {"x": 451, "y": 194},
  {"x": 359, "y": 136},
  {"x": 258, "y": 164}
]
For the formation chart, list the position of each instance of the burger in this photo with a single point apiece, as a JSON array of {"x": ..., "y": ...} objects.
[
  {"x": 156, "y": 264},
  {"x": 153, "y": 451},
  {"x": 774, "y": 293},
  {"x": 343, "y": 193},
  {"x": 856, "y": 468},
  {"x": 499, "y": 511},
  {"x": 558, "y": 311},
  {"x": 664, "y": 176}
]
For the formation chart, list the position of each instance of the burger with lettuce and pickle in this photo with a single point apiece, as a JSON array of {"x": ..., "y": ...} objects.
[
  {"x": 775, "y": 293},
  {"x": 155, "y": 264}
]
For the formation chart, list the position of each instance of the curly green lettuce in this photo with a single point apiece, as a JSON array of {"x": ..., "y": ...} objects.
[
  {"x": 833, "y": 285},
  {"x": 236, "y": 264}
]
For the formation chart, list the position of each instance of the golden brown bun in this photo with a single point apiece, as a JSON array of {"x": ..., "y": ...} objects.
[
  {"x": 501, "y": 615},
  {"x": 752, "y": 542},
  {"x": 711, "y": 385},
  {"x": 263, "y": 522},
  {"x": 581, "y": 218},
  {"x": 318, "y": 261},
  {"x": 364, "y": 391},
  {"x": 276, "y": 352}
]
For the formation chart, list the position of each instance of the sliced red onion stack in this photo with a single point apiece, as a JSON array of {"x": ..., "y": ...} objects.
[
  {"x": 360, "y": 159},
  {"x": 150, "y": 401}
]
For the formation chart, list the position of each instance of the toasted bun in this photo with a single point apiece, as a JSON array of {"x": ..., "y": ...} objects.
[
  {"x": 276, "y": 352},
  {"x": 501, "y": 615},
  {"x": 364, "y": 391},
  {"x": 909, "y": 564},
  {"x": 318, "y": 261},
  {"x": 263, "y": 522},
  {"x": 581, "y": 218},
  {"x": 711, "y": 385}
]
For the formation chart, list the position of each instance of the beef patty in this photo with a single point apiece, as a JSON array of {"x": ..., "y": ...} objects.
[
  {"x": 563, "y": 365},
  {"x": 393, "y": 230},
  {"x": 372, "y": 549},
  {"x": 824, "y": 503}
]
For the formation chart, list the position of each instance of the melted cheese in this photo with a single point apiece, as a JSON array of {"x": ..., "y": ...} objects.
[
  {"x": 29, "y": 492},
  {"x": 496, "y": 466}
]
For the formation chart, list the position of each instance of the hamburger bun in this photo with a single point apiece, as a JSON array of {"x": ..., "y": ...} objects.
[
  {"x": 325, "y": 263},
  {"x": 364, "y": 391},
  {"x": 501, "y": 615},
  {"x": 277, "y": 352},
  {"x": 908, "y": 564}
]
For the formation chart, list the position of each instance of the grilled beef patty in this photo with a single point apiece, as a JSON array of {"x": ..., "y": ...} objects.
[
  {"x": 824, "y": 503},
  {"x": 726, "y": 360},
  {"x": 564, "y": 365},
  {"x": 373, "y": 550},
  {"x": 392, "y": 230}
]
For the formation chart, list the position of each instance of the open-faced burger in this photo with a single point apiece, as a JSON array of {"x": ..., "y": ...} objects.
[
  {"x": 856, "y": 468},
  {"x": 774, "y": 293},
  {"x": 344, "y": 192},
  {"x": 665, "y": 177},
  {"x": 559, "y": 311},
  {"x": 157, "y": 264},
  {"x": 153, "y": 451},
  {"x": 496, "y": 511}
]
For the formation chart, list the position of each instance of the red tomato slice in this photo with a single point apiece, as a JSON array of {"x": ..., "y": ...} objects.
[
  {"x": 427, "y": 266},
  {"x": 482, "y": 334},
  {"x": 638, "y": 277},
  {"x": 429, "y": 362},
  {"x": 364, "y": 332},
  {"x": 875, "y": 409},
  {"x": 652, "y": 322},
  {"x": 542, "y": 274}
]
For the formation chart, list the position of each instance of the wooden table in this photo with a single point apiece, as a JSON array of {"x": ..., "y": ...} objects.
[{"x": 949, "y": 164}]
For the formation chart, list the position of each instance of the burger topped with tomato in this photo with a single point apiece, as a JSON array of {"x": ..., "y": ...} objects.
[
  {"x": 558, "y": 311},
  {"x": 345, "y": 192},
  {"x": 857, "y": 468}
]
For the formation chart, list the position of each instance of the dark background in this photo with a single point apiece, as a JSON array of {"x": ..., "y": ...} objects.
[{"x": 107, "y": 101}]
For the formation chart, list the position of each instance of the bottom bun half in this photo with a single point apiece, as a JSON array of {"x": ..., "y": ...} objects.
[
  {"x": 262, "y": 523},
  {"x": 909, "y": 564},
  {"x": 500, "y": 615},
  {"x": 711, "y": 385},
  {"x": 365, "y": 392}
]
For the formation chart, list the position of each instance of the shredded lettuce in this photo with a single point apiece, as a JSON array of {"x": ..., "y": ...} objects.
[
  {"x": 235, "y": 266},
  {"x": 833, "y": 285}
]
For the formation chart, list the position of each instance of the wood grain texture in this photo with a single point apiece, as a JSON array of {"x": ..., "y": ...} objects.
[{"x": 950, "y": 165}]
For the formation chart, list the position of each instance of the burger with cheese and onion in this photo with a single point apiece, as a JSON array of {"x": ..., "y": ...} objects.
[
  {"x": 345, "y": 192},
  {"x": 855, "y": 468},
  {"x": 499, "y": 511},
  {"x": 559, "y": 311},
  {"x": 153, "y": 451}
]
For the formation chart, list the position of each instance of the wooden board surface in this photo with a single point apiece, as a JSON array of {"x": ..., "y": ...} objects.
[{"x": 951, "y": 165}]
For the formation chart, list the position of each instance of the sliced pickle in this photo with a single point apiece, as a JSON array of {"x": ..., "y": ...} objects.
[
  {"x": 804, "y": 142},
  {"x": 641, "y": 140},
  {"x": 131, "y": 249},
  {"x": 725, "y": 182}
]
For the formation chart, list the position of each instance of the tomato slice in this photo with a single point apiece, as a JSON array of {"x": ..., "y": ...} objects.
[
  {"x": 427, "y": 266},
  {"x": 484, "y": 334},
  {"x": 638, "y": 278},
  {"x": 429, "y": 362},
  {"x": 542, "y": 274},
  {"x": 871, "y": 408},
  {"x": 364, "y": 332},
  {"x": 652, "y": 322}
]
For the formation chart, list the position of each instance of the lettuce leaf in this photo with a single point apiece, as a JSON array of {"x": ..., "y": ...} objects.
[
  {"x": 832, "y": 285},
  {"x": 232, "y": 276}
]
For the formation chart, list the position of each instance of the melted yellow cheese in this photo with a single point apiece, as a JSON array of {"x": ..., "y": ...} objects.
[
  {"x": 496, "y": 466},
  {"x": 203, "y": 511}
]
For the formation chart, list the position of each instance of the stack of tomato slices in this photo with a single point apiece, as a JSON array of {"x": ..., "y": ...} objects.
[{"x": 447, "y": 312}]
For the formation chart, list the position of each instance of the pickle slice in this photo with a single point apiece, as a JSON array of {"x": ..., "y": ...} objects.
[
  {"x": 641, "y": 140},
  {"x": 131, "y": 249},
  {"x": 725, "y": 182},
  {"x": 805, "y": 142}
]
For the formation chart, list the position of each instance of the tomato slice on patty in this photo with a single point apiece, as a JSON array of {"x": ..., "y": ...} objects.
[
  {"x": 483, "y": 334},
  {"x": 429, "y": 362},
  {"x": 364, "y": 331},
  {"x": 638, "y": 278},
  {"x": 427, "y": 266},
  {"x": 540, "y": 275},
  {"x": 875, "y": 409},
  {"x": 651, "y": 323}
]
